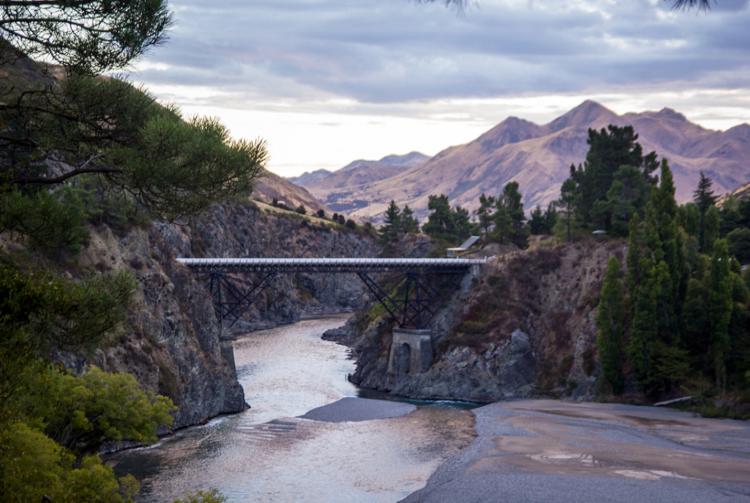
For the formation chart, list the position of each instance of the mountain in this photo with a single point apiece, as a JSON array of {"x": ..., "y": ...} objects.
[
  {"x": 358, "y": 175},
  {"x": 740, "y": 193},
  {"x": 309, "y": 177},
  {"x": 538, "y": 157}
]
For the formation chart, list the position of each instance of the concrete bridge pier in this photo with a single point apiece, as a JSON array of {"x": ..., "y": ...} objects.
[{"x": 411, "y": 351}]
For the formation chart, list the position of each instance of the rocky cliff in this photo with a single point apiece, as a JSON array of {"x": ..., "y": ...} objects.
[
  {"x": 523, "y": 327},
  {"x": 171, "y": 342}
]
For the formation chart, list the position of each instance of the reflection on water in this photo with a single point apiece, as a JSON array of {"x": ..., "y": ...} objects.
[{"x": 267, "y": 454}]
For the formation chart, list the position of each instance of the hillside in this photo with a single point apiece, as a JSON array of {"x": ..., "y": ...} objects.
[
  {"x": 359, "y": 175},
  {"x": 271, "y": 186},
  {"x": 538, "y": 157}
]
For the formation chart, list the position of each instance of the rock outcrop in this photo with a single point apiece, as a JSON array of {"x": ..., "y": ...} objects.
[
  {"x": 524, "y": 327},
  {"x": 171, "y": 341}
]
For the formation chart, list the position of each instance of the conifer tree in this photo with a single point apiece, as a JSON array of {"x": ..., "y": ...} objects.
[
  {"x": 391, "y": 231},
  {"x": 550, "y": 218},
  {"x": 409, "y": 223},
  {"x": 537, "y": 224},
  {"x": 610, "y": 321},
  {"x": 569, "y": 197},
  {"x": 485, "y": 212},
  {"x": 609, "y": 150},
  {"x": 509, "y": 217},
  {"x": 720, "y": 310},
  {"x": 704, "y": 199}
]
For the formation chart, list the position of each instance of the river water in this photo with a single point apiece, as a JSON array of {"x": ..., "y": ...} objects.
[{"x": 269, "y": 454}]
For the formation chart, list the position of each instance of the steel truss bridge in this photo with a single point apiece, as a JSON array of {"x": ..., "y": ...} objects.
[{"x": 412, "y": 303}]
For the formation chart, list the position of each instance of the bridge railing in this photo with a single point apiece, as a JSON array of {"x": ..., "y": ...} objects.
[{"x": 344, "y": 264}]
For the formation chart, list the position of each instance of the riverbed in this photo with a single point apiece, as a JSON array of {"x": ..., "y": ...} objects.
[{"x": 269, "y": 453}]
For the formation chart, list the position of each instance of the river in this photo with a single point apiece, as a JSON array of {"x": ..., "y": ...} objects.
[{"x": 268, "y": 453}]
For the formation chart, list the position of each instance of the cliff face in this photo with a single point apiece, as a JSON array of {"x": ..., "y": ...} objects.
[
  {"x": 171, "y": 342},
  {"x": 525, "y": 326}
]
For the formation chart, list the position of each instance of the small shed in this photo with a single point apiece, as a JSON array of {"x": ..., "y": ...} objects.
[{"x": 463, "y": 247}]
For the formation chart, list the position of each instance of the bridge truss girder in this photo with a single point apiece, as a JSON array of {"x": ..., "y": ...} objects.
[
  {"x": 412, "y": 303},
  {"x": 230, "y": 300}
]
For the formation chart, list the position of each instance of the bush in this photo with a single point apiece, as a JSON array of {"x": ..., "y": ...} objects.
[
  {"x": 100, "y": 406},
  {"x": 351, "y": 224},
  {"x": 34, "y": 468},
  {"x": 301, "y": 209},
  {"x": 321, "y": 213},
  {"x": 210, "y": 496}
]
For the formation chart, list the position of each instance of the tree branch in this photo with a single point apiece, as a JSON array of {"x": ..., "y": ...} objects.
[{"x": 82, "y": 169}]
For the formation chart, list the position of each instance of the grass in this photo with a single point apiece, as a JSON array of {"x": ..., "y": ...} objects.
[{"x": 288, "y": 212}]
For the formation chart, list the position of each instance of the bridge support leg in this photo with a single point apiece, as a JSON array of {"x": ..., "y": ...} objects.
[
  {"x": 231, "y": 300},
  {"x": 411, "y": 352},
  {"x": 412, "y": 302}
]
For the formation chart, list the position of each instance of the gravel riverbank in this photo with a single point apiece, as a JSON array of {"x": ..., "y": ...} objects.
[{"x": 544, "y": 450}]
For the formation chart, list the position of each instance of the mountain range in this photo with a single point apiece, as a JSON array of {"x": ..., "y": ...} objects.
[
  {"x": 538, "y": 157},
  {"x": 333, "y": 187}
]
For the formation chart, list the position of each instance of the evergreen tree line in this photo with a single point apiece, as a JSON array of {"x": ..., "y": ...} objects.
[
  {"x": 678, "y": 317},
  {"x": 499, "y": 219}
]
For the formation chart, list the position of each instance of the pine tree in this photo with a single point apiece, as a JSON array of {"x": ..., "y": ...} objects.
[
  {"x": 704, "y": 199},
  {"x": 485, "y": 212},
  {"x": 569, "y": 200},
  {"x": 655, "y": 275},
  {"x": 409, "y": 223},
  {"x": 439, "y": 222},
  {"x": 610, "y": 321},
  {"x": 609, "y": 150},
  {"x": 509, "y": 217},
  {"x": 391, "y": 231},
  {"x": 462, "y": 227},
  {"x": 696, "y": 329},
  {"x": 720, "y": 310},
  {"x": 550, "y": 218},
  {"x": 537, "y": 222}
]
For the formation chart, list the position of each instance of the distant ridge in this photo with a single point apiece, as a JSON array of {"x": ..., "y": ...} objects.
[
  {"x": 359, "y": 174},
  {"x": 538, "y": 157}
]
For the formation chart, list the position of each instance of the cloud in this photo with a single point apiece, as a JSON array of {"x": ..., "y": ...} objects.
[
  {"x": 398, "y": 50},
  {"x": 386, "y": 64}
]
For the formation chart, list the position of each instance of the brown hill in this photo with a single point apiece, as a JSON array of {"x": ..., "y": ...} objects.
[
  {"x": 538, "y": 157},
  {"x": 270, "y": 186},
  {"x": 355, "y": 176}
]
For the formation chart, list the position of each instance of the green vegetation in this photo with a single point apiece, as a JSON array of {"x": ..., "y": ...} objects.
[
  {"x": 508, "y": 217},
  {"x": 52, "y": 422},
  {"x": 397, "y": 223},
  {"x": 450, "y": 225},
  {"x": 612, "y": 185},
  {"x": 679, "y": 318},
  {"x": 88, "y": 36},
  {"x": 610, "y": 321},
  {"x": 543, "y": 222},
  {"x": 210, "y": 496},
  {"x": 78, "y": 149}
]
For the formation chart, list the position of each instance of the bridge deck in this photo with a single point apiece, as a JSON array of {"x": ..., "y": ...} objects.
[{"x": 331, "y": 264}]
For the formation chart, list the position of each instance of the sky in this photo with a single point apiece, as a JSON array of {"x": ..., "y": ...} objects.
[{"x": 325, "y": 82}]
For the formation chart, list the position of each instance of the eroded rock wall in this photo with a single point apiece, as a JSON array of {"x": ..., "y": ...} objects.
[
  {"x": 524, "y": 327},
  {"x": 171, "y": 341}
]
